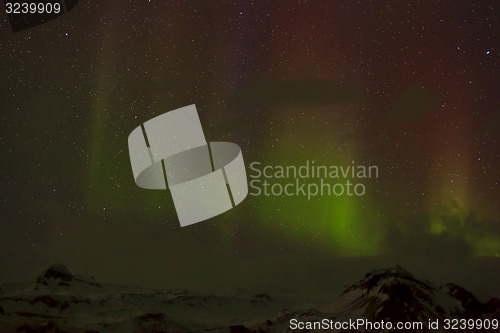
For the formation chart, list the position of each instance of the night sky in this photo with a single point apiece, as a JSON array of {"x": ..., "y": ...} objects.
[{"x": 409, "y": 86}]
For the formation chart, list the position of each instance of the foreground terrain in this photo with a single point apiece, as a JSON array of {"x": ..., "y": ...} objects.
[{"x": 60, "y": 301}]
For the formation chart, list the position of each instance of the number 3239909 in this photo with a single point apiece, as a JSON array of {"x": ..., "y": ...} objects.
[{"x": 32, "y": 8}]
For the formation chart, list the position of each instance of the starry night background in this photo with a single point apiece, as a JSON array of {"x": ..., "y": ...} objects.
[{"x": 409, "y": 86}]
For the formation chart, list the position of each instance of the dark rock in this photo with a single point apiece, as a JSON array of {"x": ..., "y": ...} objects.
[
  {"x": 50, "y": 327},
  {"x": 56, "y": 272},
  {"x": 470, "y": 304},
  {"x": 55, "y": 303},
  {"x": 263, "y": 296},
  {"x": 261, "y": 299},
  {"x": 149, "y": 317},
  {"x": 492, "y": 306},
  {"x": 239, "y": 329},
  {"x": 61, "y": 276}
]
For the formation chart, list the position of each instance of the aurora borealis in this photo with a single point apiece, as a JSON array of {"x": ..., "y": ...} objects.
[{"x": 408, "y": 86}]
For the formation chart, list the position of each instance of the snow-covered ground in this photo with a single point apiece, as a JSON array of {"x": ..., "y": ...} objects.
[{"x": 60, "y": 301}]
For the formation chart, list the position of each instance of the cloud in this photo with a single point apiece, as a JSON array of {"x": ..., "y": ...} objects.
[
  {"x": 420, "y": 244},
  {"x": 448, "y": 233}
]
